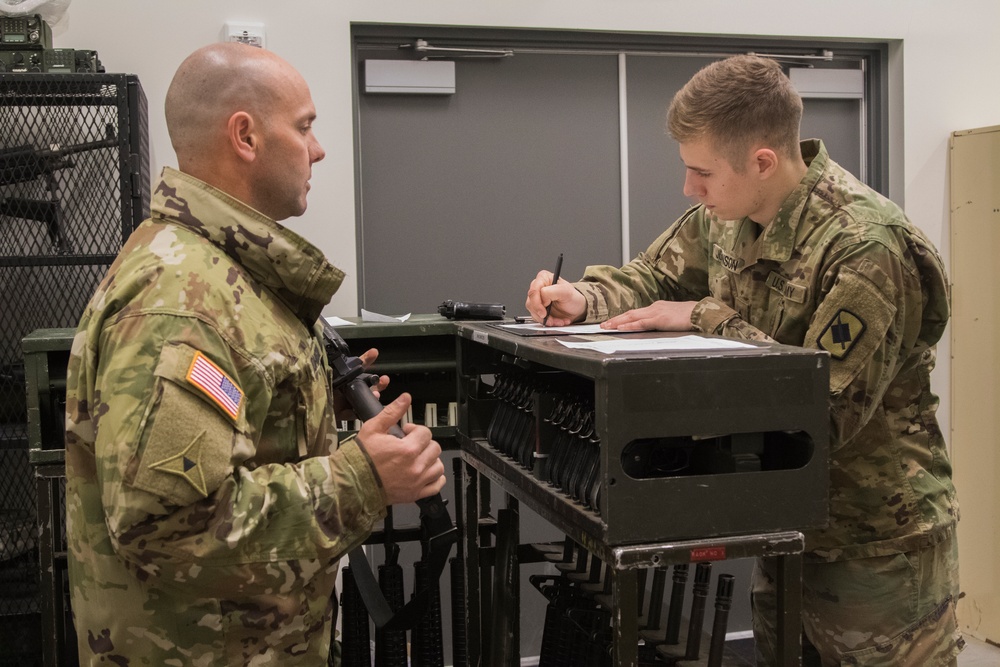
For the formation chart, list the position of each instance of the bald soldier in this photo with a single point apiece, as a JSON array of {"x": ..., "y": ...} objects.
[
  {"x": 785, "y": 245},
  {"x": 208, "y": 501}
]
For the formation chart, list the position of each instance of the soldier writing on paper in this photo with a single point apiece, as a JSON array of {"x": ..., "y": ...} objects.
[{"x": 784, "y": 245}]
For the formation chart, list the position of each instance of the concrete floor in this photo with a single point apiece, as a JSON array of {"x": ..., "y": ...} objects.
[{"x": 977, "y": 653}]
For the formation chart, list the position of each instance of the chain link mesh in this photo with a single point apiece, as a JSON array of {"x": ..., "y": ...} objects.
[{"x": 74, "y": 182}]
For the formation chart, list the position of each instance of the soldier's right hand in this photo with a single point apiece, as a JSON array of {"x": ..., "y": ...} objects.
[
  {"x": 564, "y": 302},
  {"x": 410, "y": 467}
]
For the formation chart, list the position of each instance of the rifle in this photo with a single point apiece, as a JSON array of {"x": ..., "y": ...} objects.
[
  {"x": 356, "y": 645},
  {"x": 390, "y": 644},
  {"x": 438, "y": 531},
  {"x": 459, "y": 620},
  {"x": 21, "y": 164}
]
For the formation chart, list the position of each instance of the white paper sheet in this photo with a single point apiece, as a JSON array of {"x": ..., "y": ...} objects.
[
  {"x": 339, "y": 322},
  {"x": 691, "y": 342},
  {"x": 369, "y": 316}
]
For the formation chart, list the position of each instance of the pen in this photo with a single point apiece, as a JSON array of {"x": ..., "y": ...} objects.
[{"x": 555, "y": 279}]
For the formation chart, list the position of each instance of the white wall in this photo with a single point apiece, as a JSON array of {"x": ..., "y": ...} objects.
[{"x": 949, "y": 55}]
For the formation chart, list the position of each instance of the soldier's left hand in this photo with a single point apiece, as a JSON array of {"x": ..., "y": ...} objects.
[
  {"x": 660, "y": 316},
  {"x": 341, "y": 408}
]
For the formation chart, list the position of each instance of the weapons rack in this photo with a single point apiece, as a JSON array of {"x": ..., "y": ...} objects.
[
  {"x": 429, "y": 356},
  {"x": 754, "y": 475},
  {"x": 614, "y": 576},
  {"x": 74, "y": 183}
]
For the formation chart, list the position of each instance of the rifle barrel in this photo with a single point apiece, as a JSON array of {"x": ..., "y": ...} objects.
[{"x": 24, "y": 163}]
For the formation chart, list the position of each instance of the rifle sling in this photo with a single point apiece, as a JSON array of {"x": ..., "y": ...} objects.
[{"x": 378, "y": 607}]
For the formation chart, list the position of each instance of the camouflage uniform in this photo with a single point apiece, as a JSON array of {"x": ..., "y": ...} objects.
[
  {"x": 205, "y": 510},
  {"x": 841, "y": 269}
]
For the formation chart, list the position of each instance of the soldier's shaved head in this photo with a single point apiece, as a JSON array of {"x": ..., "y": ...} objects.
[
  {"x": 240, "y": 119},
  {"x": 213, "y": 83}
]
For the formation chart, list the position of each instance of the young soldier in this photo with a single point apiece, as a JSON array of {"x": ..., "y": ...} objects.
[{"x": 786, "y": 246}]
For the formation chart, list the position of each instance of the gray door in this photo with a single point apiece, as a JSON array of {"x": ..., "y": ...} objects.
[{"x": 467, "y": 196}]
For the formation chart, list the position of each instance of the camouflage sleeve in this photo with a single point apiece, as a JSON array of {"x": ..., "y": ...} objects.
[
  {"x": 673, "y": 268},
  {"x": 711, "y": 315},
  {"x": 870, "y": 321},
  {"x": 172, "y": 465}
]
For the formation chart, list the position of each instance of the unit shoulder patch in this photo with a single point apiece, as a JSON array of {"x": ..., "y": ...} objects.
[
  {"x": 186, "y": 464},
  {"x": 185, "y": 446},
  {"x": 841, "y": 333}
]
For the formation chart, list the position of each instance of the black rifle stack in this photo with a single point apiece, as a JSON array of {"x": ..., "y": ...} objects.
[
  {"x": 356, "y": 644},
  {"x": 426, "y": 640},
  {"x": 577, "y": 629},
  {"x": 390, "y": 644},
  {"x": 562, "y": 448}
]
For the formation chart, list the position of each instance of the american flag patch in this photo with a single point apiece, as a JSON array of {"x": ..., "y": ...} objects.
[{"x": 216, "y": 384}]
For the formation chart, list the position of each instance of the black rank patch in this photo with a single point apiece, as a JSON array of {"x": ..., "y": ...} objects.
[{"x": 840, "y": 335}]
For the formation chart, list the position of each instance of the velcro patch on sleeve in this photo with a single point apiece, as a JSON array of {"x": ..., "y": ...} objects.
[
  {"x": 186, "y": 444},
  {"x": 205, "y": 375},
  {"x": 851, "y": 324},
  {"x": 188, "y": 447}
]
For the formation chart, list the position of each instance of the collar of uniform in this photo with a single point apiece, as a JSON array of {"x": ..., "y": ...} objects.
[
  {"x": 778, "y": 239},
  {"x": 291, "y": 267}
]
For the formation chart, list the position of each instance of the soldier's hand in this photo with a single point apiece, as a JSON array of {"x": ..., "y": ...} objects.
[
  {"x": 410, "y": 468},
  {"x": 367, "y": 359},
  {"x": 660, "y": 316},
  {"x": 341, "y": 408},
  {"x": 564, "y": 302}
]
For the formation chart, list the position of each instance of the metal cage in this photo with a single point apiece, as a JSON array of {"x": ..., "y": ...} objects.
[{"x": 74, "y": 183}]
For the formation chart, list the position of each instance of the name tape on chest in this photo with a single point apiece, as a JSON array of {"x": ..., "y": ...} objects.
[
  {"x": 216, "y": 384},
  {"x": 728, "y": 262},
  {"x": 840, "y": 335}
]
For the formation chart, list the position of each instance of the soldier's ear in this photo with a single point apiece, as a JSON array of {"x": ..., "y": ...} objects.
[
  {"x": 765, "y": 162},
  {"x": 241, "y": 131}
]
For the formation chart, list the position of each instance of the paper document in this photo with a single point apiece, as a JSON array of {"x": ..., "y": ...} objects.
[
  {"x": 612, "y": 345},
  {"x": 339, "y": 322},
  {"x": 369, "y": 316}
]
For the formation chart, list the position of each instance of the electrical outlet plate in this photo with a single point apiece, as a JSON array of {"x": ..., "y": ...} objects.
[{"x": 247, "y": 33}]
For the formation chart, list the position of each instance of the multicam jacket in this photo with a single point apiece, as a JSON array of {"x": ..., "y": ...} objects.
[
  {"x": 840, "y": 269},
  {"x": 207, "y": 503}
]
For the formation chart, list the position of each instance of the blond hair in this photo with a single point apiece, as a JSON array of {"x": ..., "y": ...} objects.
[{"x": 739, "y": 103}]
